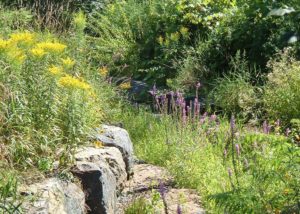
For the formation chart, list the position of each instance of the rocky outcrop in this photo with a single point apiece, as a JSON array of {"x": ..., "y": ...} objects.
[
  {"x": 111, "y": 136},
  {"x": 54, "y": 196},
  {"x": 105, "y": 188},
  {"x": 102, "y": 173}
]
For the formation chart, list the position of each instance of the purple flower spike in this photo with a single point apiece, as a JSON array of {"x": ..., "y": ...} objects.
[
  {"x": 237, "y": 148},
  {"x": 213, "y": 117},
  {"x": 179, "y": 211},
  {"x": 162, "y": 190},
  {"x": 153, "y": 92},
  {"x": 198, "y": 85},
  {"x": 232, "y": 124},
  {"x": 287, "y": 132},
  {"x": 266, "y": 127}
]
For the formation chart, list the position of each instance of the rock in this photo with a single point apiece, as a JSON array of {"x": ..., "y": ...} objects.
[
  {"x": 54, "y": 196},
  {"x": 147, "y": 176},
  {"x": 145, "y": 182},
  {"x": 109, "y": 155},
  {"x": 187, "y": 199},
  {"x": 99, "y": 184},
  {"x": 112, "y": 136}
]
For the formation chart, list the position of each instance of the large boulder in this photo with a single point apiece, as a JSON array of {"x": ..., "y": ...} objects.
[
  {"x": 112, "y": 136},
  {"x": 111, "y": 157},
  {"x": 99, "y": 184},
  {"x": 53, "y": 196}
]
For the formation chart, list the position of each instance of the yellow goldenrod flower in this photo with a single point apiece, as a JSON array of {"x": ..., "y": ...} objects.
[
  {"x": 103, "y": 71},
  {"x": 55, "y": 70},
  {"x": 22, "y": 37},
  {"x": 98, "y": 144},
  {"x": 125, "y": 86},
  {"x": 68, "y": 62},
  {"x": 72, "y": 82},
  {"x": 3, "y": 44},
  {"x": 38, "y": 52},
  {"x": 51, "y": 46},
  {"x": 16, "y": 55}
]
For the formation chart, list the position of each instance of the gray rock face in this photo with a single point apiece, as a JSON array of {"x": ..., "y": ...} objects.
[
  {"x": 54, "y": 196},
  {"x": 112, "y": 136},
  {"x": 110, "y": 156},
  {"x": 99, "y": 184}
]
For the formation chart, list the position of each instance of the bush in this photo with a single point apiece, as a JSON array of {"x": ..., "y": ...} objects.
[
  {"x": 157, "y": 32},
  {"x": 282, "y": 92},
  {"x": 234, "y": 93}
]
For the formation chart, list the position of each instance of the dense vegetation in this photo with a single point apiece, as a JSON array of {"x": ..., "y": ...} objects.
[{"x": 66, "y": 66}]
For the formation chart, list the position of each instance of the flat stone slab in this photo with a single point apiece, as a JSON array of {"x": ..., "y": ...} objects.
[
  {"x": 146, "y": 177},
  {"x": 145, "y": 183}
]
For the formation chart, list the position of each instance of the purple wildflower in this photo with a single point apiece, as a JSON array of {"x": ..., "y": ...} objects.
[
  {"x": 232, "y": 124},
  {"x": 198, "y": 85},
  {"x": 213, "y": 117},
  {"x": 162, "y": 190},
  {"x": 179, "y": 211},
  {"x": 266, "y": 127},
  {"x": 287, "y": 132},
  {"x": 153, "y": 91},
  {"x": 202, "y": 118}
]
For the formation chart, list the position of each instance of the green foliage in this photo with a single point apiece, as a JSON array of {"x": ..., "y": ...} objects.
[
  {"x": 266, "y": 178},
  {"x": 55, "y": 14},
  {"x": 14, "y": 19},
  {"x": 8, "y": 194},
  {"x": 158, "y": 32},
  {"x": 51, "y": 96},
  {"x": 234, "y": 92},
  {"x": 282, "y": 92}
]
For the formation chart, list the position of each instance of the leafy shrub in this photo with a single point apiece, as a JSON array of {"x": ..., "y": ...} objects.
[
  {"x": 282, "y": 92},
  {"x": 158, "y": 32},
  {"x": 234, "y": 92}
]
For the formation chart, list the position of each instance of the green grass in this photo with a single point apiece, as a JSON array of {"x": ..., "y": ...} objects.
[{"x": 266, "y": 175}]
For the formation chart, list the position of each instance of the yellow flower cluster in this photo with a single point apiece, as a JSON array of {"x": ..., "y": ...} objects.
[
  {"x": 68, "y": 62},
  {"x": 51, "y": 46},
  {"x": 125, "y": 86},
  {"x": 72, "y": 82},
  {"x": 55, "y": 70},
  {"x": 3, "y": 44},
  {"x": 21, "y": 37},
  {"x": 38, "y": 52},
  {"x": 103, "y": 71}
]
